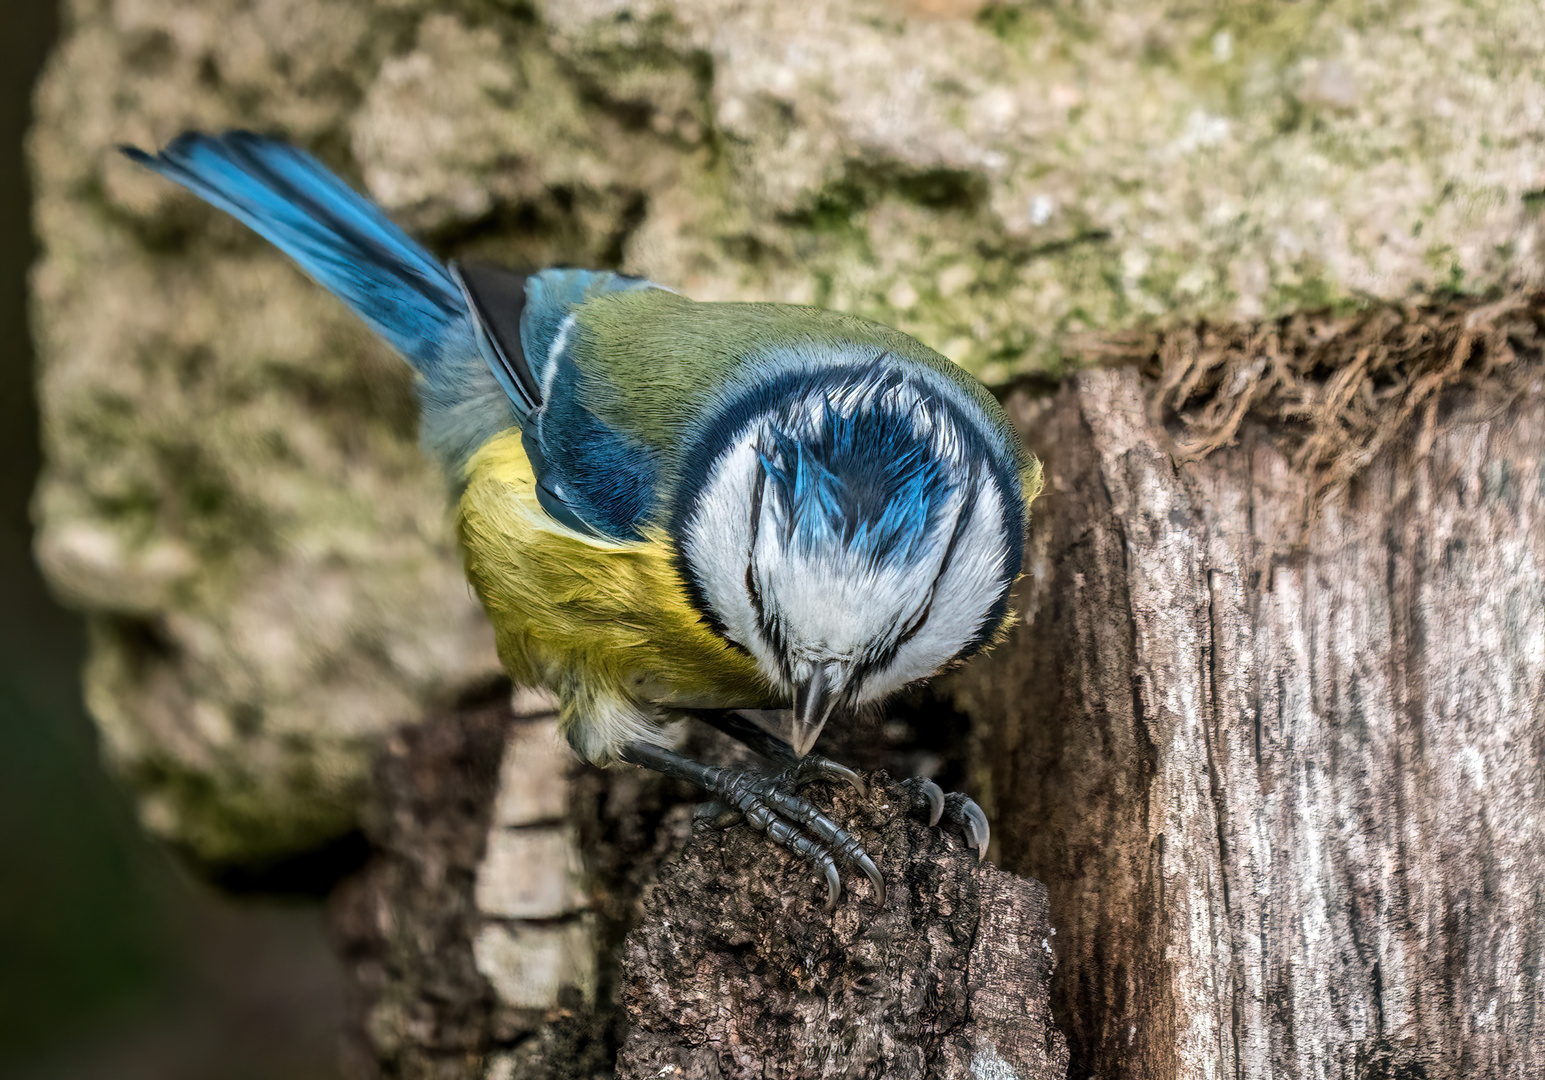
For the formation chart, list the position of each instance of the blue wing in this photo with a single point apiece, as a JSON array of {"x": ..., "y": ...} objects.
[
  {"x": 590, "y": 475},
  {"x": 489, "y": 342},
  {"x": 336, "y": 235}
]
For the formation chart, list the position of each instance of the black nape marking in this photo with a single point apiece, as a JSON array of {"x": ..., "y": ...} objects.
[
  {"x": 917, "y": 624},
  {"x": 754, "y": 594}
]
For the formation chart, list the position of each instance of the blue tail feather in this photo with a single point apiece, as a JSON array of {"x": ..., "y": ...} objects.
[{"x": 335, "y": 234}]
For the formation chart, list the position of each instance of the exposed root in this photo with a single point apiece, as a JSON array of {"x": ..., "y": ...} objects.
[{"x": 1349, "y": 383}]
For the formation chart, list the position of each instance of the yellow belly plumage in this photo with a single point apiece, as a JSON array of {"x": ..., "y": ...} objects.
[{"x": 605, "y": 624}]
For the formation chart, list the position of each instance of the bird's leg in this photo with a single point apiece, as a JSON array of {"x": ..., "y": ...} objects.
[
  {"x": 771, "y": 807},
  {"x": 797, "y": 770}
]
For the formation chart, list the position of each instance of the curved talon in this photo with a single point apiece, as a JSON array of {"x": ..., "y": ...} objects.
[
  {"x": 830, "y": 833},
  {"x": 761, "y": 817},
  {"x": 959, "y": 809},
  {"x": 770, "y": 805},
  {"x": 964, "y": 812},
  {"x": 975, "y": 834},
  {"x": 819, "y": 768},
  {"x": 872, "y": 872},
  {"x": 797, "y": 769},
  {"x": 833, "y": 888},
  {"x": 933, "y": 794}
]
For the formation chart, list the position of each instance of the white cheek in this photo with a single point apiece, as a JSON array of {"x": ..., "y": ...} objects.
[
  {"x": 718, "y": 546},
  {"x": 718, "y": 541},
  {"x": 965, "y": 594}
]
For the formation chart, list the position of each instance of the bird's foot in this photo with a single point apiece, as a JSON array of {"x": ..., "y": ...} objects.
[
  {"x": 716, "y": 815},
  {"x": 930, "y": 801},
  {"x": 771, "y": 804},
  {"x": 797, "y": 770}
]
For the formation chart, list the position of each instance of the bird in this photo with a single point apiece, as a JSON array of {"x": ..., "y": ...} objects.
[{"x": 672, "y": 508}]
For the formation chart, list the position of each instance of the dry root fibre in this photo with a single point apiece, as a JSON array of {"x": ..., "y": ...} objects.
[{"x": 1346, "y": 384}]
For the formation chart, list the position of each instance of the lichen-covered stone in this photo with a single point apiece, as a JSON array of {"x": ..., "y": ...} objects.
[{"x": 233, "y": 492}]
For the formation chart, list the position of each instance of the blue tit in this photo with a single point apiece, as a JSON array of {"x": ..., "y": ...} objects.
[{"x": 672, "y": 508}]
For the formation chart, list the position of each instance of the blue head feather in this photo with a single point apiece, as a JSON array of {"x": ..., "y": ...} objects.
[{"x": 865, "y": 481}]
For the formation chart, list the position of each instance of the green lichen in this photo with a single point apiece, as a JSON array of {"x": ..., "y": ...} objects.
[
  {"x": 1311, "y": 291},
  {"x": 239, "y": 818}
]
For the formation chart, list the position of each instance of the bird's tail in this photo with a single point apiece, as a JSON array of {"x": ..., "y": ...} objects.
[{"x": 335, "y": 234}]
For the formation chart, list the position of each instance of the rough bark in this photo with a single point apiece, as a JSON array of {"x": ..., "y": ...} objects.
[
  {"x": 736, "y": 971},
  {"x": 1282, "y": 778}
]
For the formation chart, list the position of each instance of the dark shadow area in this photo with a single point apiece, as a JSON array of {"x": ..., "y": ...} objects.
[{"x": 113, "y": 962}]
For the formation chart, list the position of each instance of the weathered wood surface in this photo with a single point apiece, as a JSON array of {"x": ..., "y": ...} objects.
[{"x": 1284, "y": 782}]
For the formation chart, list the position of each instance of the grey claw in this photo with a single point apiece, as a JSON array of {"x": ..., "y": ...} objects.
[
  {"x": 834, "y": 771},
  {"x": 832, "y": 838},
  {"x": 955, "y": 808},
  {"x": 974, "y": 822},
  {"x": 833, "y": 888},
  {"x": 925, "y": 793},
  {"x": 818, "y": 768},
  {"x": 935, "y": 796},
  {"x": 872, "y": 872}
]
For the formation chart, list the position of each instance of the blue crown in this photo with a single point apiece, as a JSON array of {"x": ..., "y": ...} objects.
[{"x": 865, "y": 481}]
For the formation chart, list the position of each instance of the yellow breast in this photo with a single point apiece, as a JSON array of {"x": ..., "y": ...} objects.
[{"x": 587, "y": 617}]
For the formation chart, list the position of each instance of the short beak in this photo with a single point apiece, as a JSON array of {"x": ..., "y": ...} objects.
[{"x": 813, "y": 702}]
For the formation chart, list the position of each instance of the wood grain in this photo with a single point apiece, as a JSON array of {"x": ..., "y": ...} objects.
[{"x": 1282, "y": 780}]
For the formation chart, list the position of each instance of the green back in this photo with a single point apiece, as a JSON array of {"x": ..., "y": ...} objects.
[{"x": 654, "y": 363}]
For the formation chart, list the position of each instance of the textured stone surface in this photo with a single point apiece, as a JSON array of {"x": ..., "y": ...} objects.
[
  {"x": 534, "y": 778},
  {"x": 529, "y": 967},
  {"x": 445, "y": 986},
  {"x": 530, "y": 873},
  {"x": 232, "y": 489}
]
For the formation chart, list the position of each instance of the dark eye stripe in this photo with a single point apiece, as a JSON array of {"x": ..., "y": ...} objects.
[
  {"x": 873, "y": 662},
  {"x": 883, "y": 659},
  {"x": 752, "y": 591},
  {"x": 911, "y": 631},
  {"x": 755, "y": 595}
]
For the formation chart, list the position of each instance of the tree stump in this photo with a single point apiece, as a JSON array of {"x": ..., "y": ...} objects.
[
  {"x": 525, "y": 917},
  {"x": 1282, "y": 777}
]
